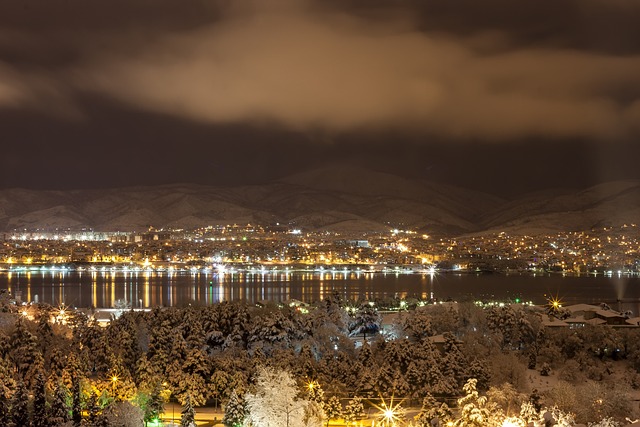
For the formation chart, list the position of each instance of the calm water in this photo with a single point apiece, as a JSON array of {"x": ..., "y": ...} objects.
[{"x": 148, "y": 289}]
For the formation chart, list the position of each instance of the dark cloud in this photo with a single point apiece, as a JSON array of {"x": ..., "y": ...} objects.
[
  {"x": 259, "y": 79},
  {"x": 307, "y": 70},
  {"x": 304, "y": 66}
]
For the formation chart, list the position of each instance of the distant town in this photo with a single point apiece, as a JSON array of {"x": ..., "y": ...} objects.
[{"x": 608, "y": 250}]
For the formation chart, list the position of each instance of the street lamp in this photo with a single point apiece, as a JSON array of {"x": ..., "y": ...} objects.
[
  {"x": 390, "y": 413},
  {"x": 114, "y": 380}
]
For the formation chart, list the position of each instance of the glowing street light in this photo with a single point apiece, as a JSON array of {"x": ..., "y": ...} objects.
[
  {"x": 114, "y": 380},
  {"x": 390, "y": 413}
]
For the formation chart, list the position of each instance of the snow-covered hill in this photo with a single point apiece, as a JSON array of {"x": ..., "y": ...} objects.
[{"x": 336, "y": 198}]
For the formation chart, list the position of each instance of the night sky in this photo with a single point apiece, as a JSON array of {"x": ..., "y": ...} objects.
[{"x": 498, "y": 95}]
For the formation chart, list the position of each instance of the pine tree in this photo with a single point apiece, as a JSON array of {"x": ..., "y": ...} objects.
[
  {"x": 233, "y": 411},
  {"x": 20, "y": 415},
  {"x": 353, "y": 410},
  {"x": 40, "y": 402},
  {"x": 155, "y": 405},
  {"x": 418, "y": 325},
  {"x": 76, "y": 408},
  {"x": 193, "y": 331},
  {"x": 366, "y": 384},
  {"x": 365, "y": 355},
  {"x": 25, "y": 352},
  {"x": 474, "y": 410},
  {"x": 333, "y": 409},
  {"x": 455, "y": 367},
  {"x": 145, "y": 374},
  {"x": 315, "y": 392},
  {"x": 306, "y": 366},
  {"x": 366, "y": 320},
  {"x": 192, "y": 386},
  {"x": 45, "y": 334},
  {"x": 59, "y": 410},
  {"x": 7, "y": 388},
  {"x": 93, "y": 408},
  {"x": 432, "y": 412},
  {"x": 188, "y": 418},
  {"x": 160, "y": 341}
]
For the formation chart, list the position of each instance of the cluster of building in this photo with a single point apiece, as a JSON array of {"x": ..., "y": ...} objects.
[
  {"x": 611, "y": 249},
  {"x": 600, "y": 251}
]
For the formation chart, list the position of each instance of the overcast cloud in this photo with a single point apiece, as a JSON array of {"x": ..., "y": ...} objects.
[{"x": 302, "y": 66}]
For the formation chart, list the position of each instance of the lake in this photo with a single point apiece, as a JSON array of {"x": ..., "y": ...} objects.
[{"x": 150, "y": 289}]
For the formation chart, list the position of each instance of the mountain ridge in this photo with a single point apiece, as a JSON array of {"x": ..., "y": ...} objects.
[{"x": 327, "y": 199}]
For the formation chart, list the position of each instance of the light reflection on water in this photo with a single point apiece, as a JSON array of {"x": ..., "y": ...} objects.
[{"x": 150, "y": 289}]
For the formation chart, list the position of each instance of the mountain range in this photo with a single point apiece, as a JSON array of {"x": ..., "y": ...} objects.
[{"x": 340, "y": 198}]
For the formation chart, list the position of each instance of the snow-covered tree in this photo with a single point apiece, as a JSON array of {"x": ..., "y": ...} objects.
[
  {"x": 606, "y": 422},
  {"x": 188, "y": 418},
  {"x": 7, "y": 388},
  {"x": 365, "y": 355},
  {"x": 154, "y": 406},
  {"x": 40, "y": 418},
  {"x": 121, "y": 414},
  {"x": 315, "y": 392},
  {"x": 353, "y": 410},
  {"x": 366, "y": 320},
  {"x": 93, "y": 408},
  {"x": 59, "y": 409},
  {"x": 333, "y": 409},
  {"x": 557, "y": 417},
  {"x": 306, "y": 365},
  {"x": 455, "y": 364},
  {"x": 233, "y": 411},
  {"x": 506, "y": 398},
  {"x": 274, "y": 402},
  {"x": 25, "y": 352},
  {"x": 473, "y": 408},
  {"x": 313, "y": 414},
  {"x": 432, "y": 413},
  {"x": 528, "y": 413},
  {"x": 20, "y": 415},
  {"x": 417, "y": 324},
  {"x": 76, "y": 405},
  {"x": 219, "y": 383},
  {"x": 146, "y": 373}
]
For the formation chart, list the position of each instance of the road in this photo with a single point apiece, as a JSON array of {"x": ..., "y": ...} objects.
[{"x": 209, "y": 417}]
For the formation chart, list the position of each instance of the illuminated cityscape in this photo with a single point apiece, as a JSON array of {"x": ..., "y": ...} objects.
[
  {"x": 603, "y": 251},
  {"x": 319, "y": 213}
]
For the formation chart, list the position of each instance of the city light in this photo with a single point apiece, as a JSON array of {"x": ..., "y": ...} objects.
[
  {"x": 114, "y": 380},
  {"x": 390, "y": 413}
]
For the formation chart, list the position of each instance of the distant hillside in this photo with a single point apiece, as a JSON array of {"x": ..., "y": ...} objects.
[
  {"x": 609, "y": 204},
  {"x": 339, "y": 198}
]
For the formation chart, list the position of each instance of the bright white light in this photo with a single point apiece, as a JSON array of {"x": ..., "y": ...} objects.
[{"x": 388, "y": 414}]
